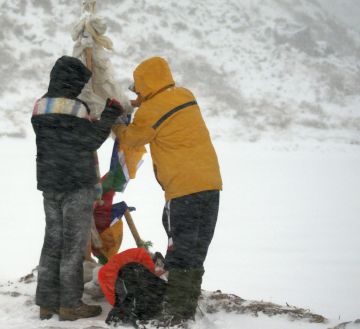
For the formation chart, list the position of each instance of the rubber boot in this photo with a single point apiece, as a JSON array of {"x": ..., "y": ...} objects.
[
  {"x": 196, "y": 280},
  {"x": 177, "y": 306}
]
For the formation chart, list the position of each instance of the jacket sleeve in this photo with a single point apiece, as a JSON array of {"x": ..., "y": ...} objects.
[
  {"x": 91, "y": 135},
  {"x": 140, "y": 131}
]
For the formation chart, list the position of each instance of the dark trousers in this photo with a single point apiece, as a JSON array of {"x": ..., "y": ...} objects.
[
  {"x": 190, "y": 222},
  {"x": 68, "y": 223}
]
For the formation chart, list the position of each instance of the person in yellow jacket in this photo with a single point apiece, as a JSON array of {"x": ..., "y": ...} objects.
[{"x": 186, "y": 167}]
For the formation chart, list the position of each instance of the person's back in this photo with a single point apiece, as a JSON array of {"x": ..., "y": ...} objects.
[
  {"x": 169, "y": 118},
  {"x": 63, "y": 163},
  {"x": 65, "y": 137}
]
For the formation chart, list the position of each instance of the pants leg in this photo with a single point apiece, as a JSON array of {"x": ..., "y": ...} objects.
[
  {"x": 209, "y": 208},
  {"x": 77, "y": 216},
  {"x": 190, "y": 223},
  {"x": 48, "y": 287},
  {"x": 181, "y": 222}
]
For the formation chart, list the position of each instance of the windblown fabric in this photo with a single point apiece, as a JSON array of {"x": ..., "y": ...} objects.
[
  {"x": 123, "y": 166},
  {"x": 108, "y": 223}
]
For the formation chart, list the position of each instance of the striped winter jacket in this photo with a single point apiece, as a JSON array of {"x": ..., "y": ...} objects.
[{"x": 66, "y": 140}]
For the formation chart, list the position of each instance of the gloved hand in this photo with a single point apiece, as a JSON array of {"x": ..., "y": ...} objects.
[
  {"x": 136, "y": 102},
  {"x": 122, "y": 120},
  {"x": 117, "y": 129},
  {"x": 114, "y": 104}
]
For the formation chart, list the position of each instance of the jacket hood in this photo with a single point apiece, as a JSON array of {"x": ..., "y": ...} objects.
[
  {"x": 151, "y": 76},
  {"x": 67, "y": 78}
]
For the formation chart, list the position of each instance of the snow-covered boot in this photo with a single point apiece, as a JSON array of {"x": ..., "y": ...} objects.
[
  {"x": 79, "y": 312},
  {"x": 46, "y": 313}
]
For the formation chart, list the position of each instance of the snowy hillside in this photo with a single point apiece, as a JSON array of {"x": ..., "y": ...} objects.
[
  {"x": 282, "y": 73},
  {"x": 284, "y": 69}
]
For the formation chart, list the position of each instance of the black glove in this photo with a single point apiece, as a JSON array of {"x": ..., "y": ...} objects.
[{"x": 115, "y": 105}]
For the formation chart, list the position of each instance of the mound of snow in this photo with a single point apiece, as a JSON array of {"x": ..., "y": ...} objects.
[{"x": 217, "y": 310}]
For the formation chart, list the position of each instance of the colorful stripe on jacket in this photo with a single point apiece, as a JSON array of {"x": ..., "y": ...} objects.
[{"x": 60, "y": 106}]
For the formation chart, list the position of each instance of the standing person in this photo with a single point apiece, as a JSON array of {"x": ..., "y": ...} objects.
[
  {"x": 186, "y": 166},
  {"x": 66, "y": 142}
]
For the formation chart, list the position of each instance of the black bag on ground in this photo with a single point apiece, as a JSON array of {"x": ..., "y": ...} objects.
[{"x": 138, "y": 295}]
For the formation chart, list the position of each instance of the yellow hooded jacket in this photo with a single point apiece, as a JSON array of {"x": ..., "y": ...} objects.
[{"x": 183, "y": 156}]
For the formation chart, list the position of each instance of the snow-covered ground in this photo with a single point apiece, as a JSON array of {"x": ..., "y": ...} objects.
[{"x": 288, "y": 229}]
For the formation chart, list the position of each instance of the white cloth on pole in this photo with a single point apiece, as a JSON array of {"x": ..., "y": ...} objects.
[{"x": 102, "y": 85}]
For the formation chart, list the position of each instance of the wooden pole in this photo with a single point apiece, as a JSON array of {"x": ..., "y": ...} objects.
[
  {"x": 134, "y": 231},
  {"x": 94, "y": 238},
  {"x": 88, "y": 56}
]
